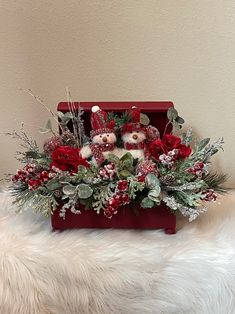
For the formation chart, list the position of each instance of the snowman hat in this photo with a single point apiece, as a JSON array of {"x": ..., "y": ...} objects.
[
  {"x": 134, "y": 125},
  {"x": 99, "y": 122}
]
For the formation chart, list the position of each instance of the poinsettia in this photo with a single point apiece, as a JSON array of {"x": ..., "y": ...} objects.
[
  {"x": 167, "y": 144},
  {"x": 68, "y": 158}
]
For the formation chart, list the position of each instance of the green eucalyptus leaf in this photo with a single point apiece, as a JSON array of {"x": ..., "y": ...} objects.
[
  {"x": 179, "y": 120},
  {"x": 60, "y": 114},
  {"x": 69, "y": 189},
  {"x": 44, "y": 131},
  {"x": 64, "y": 197},
  {"x": 48, "y": 125},
  {"x": 154, "y": 194},
  {"x": 84, "y": 191},
  {"x": 176, "y": 126},
  {"x": 147, "y": 203},
  {"x": 82, "y": 169},
  {"x": 144, "y": 119},
  {"x": 53, "y": 185},
  {"x": 172, "y": 114},
  {"x": 202, "y": 144},
  {"x": 69, "y": 115},
  {"x": 152, "y": 181}
]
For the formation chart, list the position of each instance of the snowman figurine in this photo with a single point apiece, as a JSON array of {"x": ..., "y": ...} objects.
[
  {"x": 134, "y": 135},
  {"x": 103, "y": 137}
]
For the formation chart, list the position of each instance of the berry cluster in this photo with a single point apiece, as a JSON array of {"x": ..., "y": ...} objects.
[
  {"x": 32, "y": 176},
  {"x": 209, "y": 196},
  {"x": 169, "y": 158},
  {"x": 198, "y": 169},
  {"x": 122, "y": 185},
  {"x": 118, "y": 199},
  {"x": 108, "y": 172}
]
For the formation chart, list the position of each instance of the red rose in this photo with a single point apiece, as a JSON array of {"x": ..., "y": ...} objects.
[
  {"x": 171, "y": 141},
  {"x": 68, "y": 158},
  {"x": 184, "y": 151},
  {"x": 167, "y": 144}
]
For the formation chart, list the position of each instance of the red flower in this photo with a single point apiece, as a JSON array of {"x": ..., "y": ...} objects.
[
  {"x": 68, "y": 158},
  {"x": 167, "y": 144}
]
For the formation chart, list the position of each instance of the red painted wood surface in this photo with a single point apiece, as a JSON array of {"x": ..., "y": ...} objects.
[
  {"x": 152, "y": 218},
  {"x": 155, "y": 218}
]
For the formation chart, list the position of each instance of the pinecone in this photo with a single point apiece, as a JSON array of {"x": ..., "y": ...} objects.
[
  {"x": 167, "y": 179},
  {"x": 58, "y": 194},
  {"x": 68, "y": 138}
]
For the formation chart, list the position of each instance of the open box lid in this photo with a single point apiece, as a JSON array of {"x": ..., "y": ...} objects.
[{"x": 156, "y": 110}]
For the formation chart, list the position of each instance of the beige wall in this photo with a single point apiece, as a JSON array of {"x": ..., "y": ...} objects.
[{"x": 182, "y": 51}]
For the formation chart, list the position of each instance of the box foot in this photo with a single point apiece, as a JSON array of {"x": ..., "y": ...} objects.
[{"x": 170, "y": 230}]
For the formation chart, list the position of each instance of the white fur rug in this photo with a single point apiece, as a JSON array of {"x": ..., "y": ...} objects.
[{"x": 112, "y": 271}]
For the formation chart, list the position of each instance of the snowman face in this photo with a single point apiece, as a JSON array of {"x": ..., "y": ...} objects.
[
  {"x": 134, "y": 137},
  {"x": 105, "y": 138}
]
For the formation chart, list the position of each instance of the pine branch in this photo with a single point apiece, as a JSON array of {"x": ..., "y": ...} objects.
[{"x": 215, "y": 181}]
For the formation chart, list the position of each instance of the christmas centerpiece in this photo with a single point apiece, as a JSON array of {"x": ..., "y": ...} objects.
[{"x": 108, "y": 162}]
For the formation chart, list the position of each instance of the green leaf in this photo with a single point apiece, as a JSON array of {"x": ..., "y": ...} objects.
[
  {"x": 53, "y": 185},
  {"x": 172, "y": 114},
  {"x": 124, "y": 173},
  {"x": 69, "y": 190},
  {"x": 202, "y": 144},
  {"x": 44, "y": 131},
  {"x": 60, "y": 114},
  {"x": 179, "y": 120},
  {"x": 48, "y": 125},
  {"x": 68, "y": 115},
  {"x": 152, "y": 181},
  {"x": 82, "y": 169},
  {"x": 147, "y": 203},
  {"x": 176, "y": 126},
  {"x": 154, "y": 194},
  {"x": 126, "y": 157},
  {"x": 113, "y": 158},
  {"x": 126, "y": 163},
  {"x": 144, "y": 119},
  {"x": 84, "y": 191}
]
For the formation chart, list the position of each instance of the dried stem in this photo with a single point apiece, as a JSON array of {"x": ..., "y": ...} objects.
[{"x": 38, "y": 99}]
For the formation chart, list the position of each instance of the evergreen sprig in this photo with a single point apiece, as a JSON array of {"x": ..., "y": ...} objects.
[{"x": 216, "y": 182}]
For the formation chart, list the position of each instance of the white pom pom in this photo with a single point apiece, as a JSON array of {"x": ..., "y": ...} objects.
[{"x": 95, "y": 108}]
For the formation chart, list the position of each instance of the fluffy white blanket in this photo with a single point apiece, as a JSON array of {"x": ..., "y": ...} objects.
[{"x": 118, "y": 271}]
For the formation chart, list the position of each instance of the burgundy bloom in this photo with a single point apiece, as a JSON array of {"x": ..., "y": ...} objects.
[
  {"x": 68, "y": 158},
  {"x": 168, "y": 143}
]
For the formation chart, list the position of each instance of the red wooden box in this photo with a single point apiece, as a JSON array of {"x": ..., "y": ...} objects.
[{"x": 155, "y": 218}]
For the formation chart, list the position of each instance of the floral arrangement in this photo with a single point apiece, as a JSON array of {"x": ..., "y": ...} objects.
[{"x": 124, "y": 161}]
